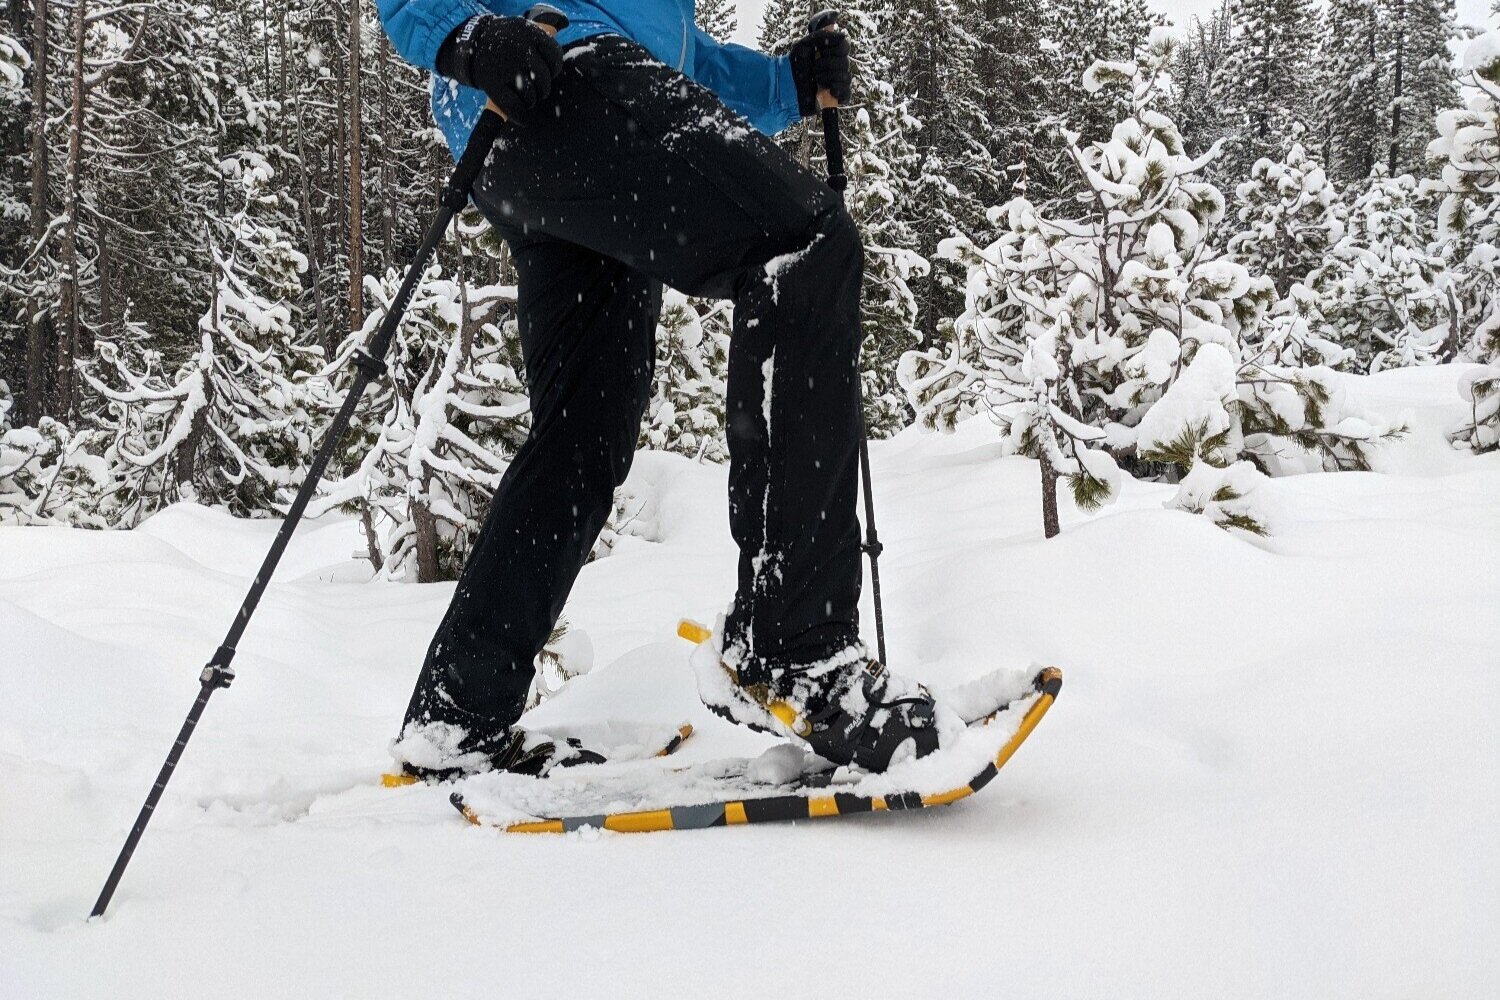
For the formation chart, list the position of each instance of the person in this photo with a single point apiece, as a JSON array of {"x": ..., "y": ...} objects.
[{"x": 637, "y": 154}]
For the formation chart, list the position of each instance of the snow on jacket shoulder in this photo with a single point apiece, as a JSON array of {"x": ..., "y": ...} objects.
[{"x": 756, "y": 85}]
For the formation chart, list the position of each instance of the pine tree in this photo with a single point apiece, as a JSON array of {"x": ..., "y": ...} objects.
[
  {"x": 1352, "y": 91},
  {"x": 14, "y": 62},
  {"x": 1467, "y": 151},
  {"x": 234, "y": 423},
  {"x": 882, "y": 163},
  {"x": 1421, "y": 78},
  {"x": 45, "y": 475},
  {"x": 432, "y": 440},
  {"x": 1083, "y": 32},
  {"x": 1197, "y": 74},
  {"x": 1011, "y": 71},
  {"x": 720, "y": 18},
  {"x": 1290, "y": 218},
  {"x": 686, "y": 412},
  {"x": 1118, "y": 338},
  {"x": 953, "y": 164},
  {"x": 1265, "y": 92},
  {"x": 1380, "y": 290}
]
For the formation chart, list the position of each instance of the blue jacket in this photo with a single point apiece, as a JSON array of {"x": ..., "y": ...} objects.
[{"x": 758, "y": 86}]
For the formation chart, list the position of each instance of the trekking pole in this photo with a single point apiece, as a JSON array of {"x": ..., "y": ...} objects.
[
  {"x": 370, "y": 364},
  {"x": 833, "y": 145}
]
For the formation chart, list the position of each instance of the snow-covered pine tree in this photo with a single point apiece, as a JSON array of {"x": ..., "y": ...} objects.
[
  {"x": 45, "y": 474},
  {"x": 686, "y": 412},
  {"x": 1420, "y": 79},
  {"x": 1011, "y": 72},
  {"x": 427, "y": 449},
  {"x": 234, "y": 424},
  {"x": 1078, "y": 33},
  {"x": 953, "y": 164},
  {"x": 1352, "y": 89},
  {"x": 881, "y": 160},
  {"x": 1290, "y": 217},
  {"x": 1265, "y": 92},
  {"x": 1117, "y": 338},
  {"x": 720, "y": 18},
  {"x": 1201, "y": 60},
  {"x": 115, "y": 147},
  {"x": 14, "y": 62},
  {"x": 1380, "y": 290},
  {"x": 1480, "y": 429},
  {"x": 1467, "y": 151},
  {"x": 1074, "y": 326}
]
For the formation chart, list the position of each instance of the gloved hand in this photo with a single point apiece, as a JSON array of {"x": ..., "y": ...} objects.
[
  {"x": 821, "y": 62},
  {"x": 512, "y": 60}
]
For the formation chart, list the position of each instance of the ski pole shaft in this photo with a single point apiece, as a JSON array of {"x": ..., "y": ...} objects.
[
  {"x": 833, "y": 144},
  {"x": 369, "y": 364}
]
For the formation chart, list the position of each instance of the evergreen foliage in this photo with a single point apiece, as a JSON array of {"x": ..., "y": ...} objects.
[
  {"x": 1290, "y": 217},
  {"x": 1352, "y": 91},
  {"x": 1118, "y": 338},
  {"x": 720, "y": 18},
  {"x": 1197, "y": 74},
  {"x": 686, "y": 413},
  {"x": 232, "y": 423},
  {"x": 1381, "y": 289},
  {"x": 1265, "y": 92},
  {"x": 1467, "y": 150},
  {"x": 428, "y": 447},
  {"x": 159, "y": 304}
]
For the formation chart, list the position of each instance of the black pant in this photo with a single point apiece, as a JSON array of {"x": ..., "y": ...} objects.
[{"x": 642, "y": 177}]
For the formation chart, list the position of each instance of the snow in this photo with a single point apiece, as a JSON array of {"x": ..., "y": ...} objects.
[
  {"x": 1270, "y": 772},
  {"x": 1481, "y": 54},
  {"x": 1195, "y": 403}
]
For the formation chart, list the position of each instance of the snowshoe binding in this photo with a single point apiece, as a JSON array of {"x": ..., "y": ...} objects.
[
  {"x": 848, "y": 708},
  {"x": 440, "y": 751}
]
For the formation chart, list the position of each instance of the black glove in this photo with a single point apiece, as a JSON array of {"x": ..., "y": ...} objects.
[
  {"x": 509, "y": 58},
  {"x": 821, "y": 62}
]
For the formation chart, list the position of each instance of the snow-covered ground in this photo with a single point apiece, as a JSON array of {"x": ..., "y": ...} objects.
[{"x": 1271, "y": 773}]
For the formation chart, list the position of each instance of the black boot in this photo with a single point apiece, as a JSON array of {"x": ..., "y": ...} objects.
[
  {"x": 442, "y": 751},
  {"x": 848, "y": 708}
]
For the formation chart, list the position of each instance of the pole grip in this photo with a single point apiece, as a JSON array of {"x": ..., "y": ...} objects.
[
  {"x": 456, "y": 192},
  {"x": 833, "y": 140},
  {"x": 549, "y": 19}
]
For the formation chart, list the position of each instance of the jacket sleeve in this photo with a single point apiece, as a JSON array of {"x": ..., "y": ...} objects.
[
  {"x": 418, "y": 28},
  {"x": 756, "y": 85}
]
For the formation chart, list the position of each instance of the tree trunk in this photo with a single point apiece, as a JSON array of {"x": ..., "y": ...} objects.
[
  {"x": 39, "y": 328},
  {"x": 372, "y": 540},
  {"x": 1397, "y": 87},
  {"x": 424, "y": 527},
  {"x": 387, "y": 196},
  {"x": 315, "y": 258},
  {"x": 72, "y": 305},
  {"x": 1050, "y": 523},
  {"x": 356, "y": 175}
]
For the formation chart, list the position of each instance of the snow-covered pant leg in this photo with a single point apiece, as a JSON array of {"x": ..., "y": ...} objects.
[
  {"x": 639, "y": 165},
  {"x": 794, "y": 429},
  {"x": 588, "y": 328}
]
